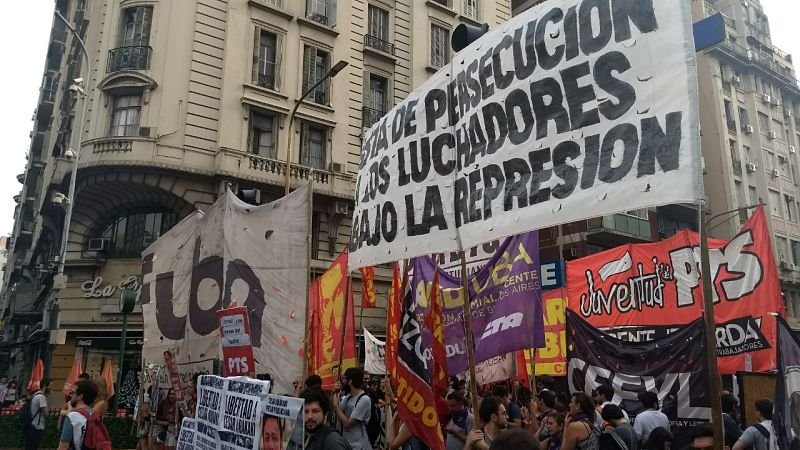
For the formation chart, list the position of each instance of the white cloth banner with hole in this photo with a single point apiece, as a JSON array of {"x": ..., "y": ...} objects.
[{"x": 573, "y": 109}]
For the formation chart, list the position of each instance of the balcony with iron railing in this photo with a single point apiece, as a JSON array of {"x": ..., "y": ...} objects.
[
  {"x": 370, "y": 116},
  {"x": 377, "y": 43},
  {"x": 319, "y": 18},
  {"x": 129, "y": 58}
]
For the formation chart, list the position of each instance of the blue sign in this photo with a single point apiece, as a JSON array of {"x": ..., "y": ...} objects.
[
  {"x": 552, "y": 274},
  {"x": 709, "y": 32}
]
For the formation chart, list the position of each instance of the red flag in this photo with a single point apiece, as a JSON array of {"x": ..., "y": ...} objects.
[
  {"x": 326, "y": 311},
  {"x": 36, "y": 377},
  {"x": 72, "y": 377},
  {"x": 416, "y": 402},
  {"x": 108, "y": 376},
  {"x": 393, "y": 310},
  {"x": 522, "y": 366},
  {"x": 367, "y": 287},
  {"x": 434, "y": 322}
]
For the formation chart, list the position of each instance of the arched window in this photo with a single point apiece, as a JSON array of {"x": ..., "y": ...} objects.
[{"x": 133, "y": 231}]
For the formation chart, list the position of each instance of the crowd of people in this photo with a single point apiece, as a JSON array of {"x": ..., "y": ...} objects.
[{"x": 359, "y": 415}]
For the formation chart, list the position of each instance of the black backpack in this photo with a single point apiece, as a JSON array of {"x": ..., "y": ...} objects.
[
  {"x": 611, "y": 441},
  {"x": 374, "y": 425},
  {"x": 24, "y": 417}
]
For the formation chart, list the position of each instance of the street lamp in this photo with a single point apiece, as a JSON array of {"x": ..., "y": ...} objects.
[
  {"x": 715, "y": 384},
  {"x": 73, "y": 153},
  {"x": 331, "y": 73}
]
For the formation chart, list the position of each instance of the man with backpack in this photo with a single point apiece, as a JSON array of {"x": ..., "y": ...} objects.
[
  {"x": 760, "y": 436},
  {"x": 32, "y": 416},
  {"x": 83, "y": 429},
  {"x": 355, "y": 411}
]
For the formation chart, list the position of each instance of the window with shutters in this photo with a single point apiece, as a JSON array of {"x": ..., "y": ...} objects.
[
  {"x": 263, "y": 134},
  {"x": 775, "y": 203},
  {"x": 471, "y": 9},
  {"x": 125, "y": 115},
  {"x": 266, "y": 59},
  {"x": 314, "y": 143},
  {"x": 136, "y": 22},
  {"x": 375, "y": 99},
  {"x": 320, "y": 11},
  {"x": 378, "y": 23},
  {"x": 316, "y": 64},
  {"x": 440, "y": 46}
]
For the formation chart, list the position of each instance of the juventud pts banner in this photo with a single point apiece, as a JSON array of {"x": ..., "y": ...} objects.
[{"x": 574, "y": 109}]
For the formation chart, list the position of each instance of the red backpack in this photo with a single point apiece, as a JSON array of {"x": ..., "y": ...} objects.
[{"x": 96, "y": 436}]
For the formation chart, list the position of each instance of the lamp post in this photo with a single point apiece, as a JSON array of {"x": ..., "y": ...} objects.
[
  {"x": 127, "y": 300},
  {"x": 714, "y": 382},
  {"x": 79, "y": 91},
  {"x": 331, "y": 73}
]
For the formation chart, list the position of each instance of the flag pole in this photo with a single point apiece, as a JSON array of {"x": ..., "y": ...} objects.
[
  {"x": 309, "y": 277},
  {"x": 344, "y": 322},
  {"x": 473, "y": 383}
]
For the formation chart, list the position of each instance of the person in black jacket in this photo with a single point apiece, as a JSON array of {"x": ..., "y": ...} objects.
[
  {"x": 732, "y": 430},
  {"x": 320, "y": 436}
]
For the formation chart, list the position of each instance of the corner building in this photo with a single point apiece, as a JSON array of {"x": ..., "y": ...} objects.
[{"x": 185, "y": 98}]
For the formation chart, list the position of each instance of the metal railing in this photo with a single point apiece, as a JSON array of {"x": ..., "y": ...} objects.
[
  {"x": 378, "y": 44},
  {"x": 129, "y": 58},
  {"x": 266, "y": 80},
  {"x": 276, "y": 167},
  {"x": 371, "y": 116},
  {"x": 317, "y": 17},
  {"x": 112, "y": 145}
]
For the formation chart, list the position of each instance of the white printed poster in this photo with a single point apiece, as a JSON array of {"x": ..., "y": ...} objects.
[
  {"x": 571, "y": 110},
  {"x": 186, "y": 436},
  {"x": 374, "y": 354},
  {"x": 229, "y": 412},
  {"x": 232, "y": 251},
  {"x": 282, "y": 426}
]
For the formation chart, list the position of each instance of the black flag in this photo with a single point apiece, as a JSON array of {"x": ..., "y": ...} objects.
[
  {"x": 786, "y": 418},
  {"x": 673, "y": 366}
]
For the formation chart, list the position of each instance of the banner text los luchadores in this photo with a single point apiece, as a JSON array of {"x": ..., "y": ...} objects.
[
  {"x": 643, "y": 291},
  {"x": 573, "y": 109}
]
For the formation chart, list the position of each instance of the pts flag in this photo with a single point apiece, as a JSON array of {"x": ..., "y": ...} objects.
[{"x": 326, "y": 307}]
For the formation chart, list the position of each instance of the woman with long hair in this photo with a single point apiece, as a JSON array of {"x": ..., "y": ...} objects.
[
  {"x": 100, "y": 406},
  {"x": 581, "y": 432},
  {"x": 167, "y": 417}
]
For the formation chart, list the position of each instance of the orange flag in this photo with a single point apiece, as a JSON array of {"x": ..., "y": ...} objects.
[
  {"x": 434, "y": 322},
  {"x": 36, "y": 377},
  {"x": 393, "y": 311},
  {"x": 108, "y": 376},
  {"x": 367, "y": 287},
  {"x": 69, "y": 384},
  {"x": 327, "y": 312}
]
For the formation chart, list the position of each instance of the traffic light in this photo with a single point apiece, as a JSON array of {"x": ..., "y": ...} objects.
[{"x": 465, "y": 34}]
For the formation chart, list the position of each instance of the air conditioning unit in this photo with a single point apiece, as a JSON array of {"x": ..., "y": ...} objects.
[
  {"x": 337, "y": 167},
  {"x": 341, "y": 208},
  {"x": 772, "y": 135},
  {"x": 775, "y": 173},
  {"x": 767, "y": 98},
  {"x": 792, "y": 150},
  {"x": 98, "y": 245},
  {"x": 751, "y": 167},
  {"x": 748, "y": 129},
  {"x": 786, "y": 265},
  {"x": 774, "y": 101}
]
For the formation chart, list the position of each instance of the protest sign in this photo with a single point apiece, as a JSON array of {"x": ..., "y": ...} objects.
[
  {"x": 237, "y": 351},
  {"x": 282, "y": 423},
  {"x": 572, "y": 109},
  {"x": 374, "y": 354},
  {"x": 505, "y": 296},
  {"x": 232, "y": 251},
  {"x": 495, "y": 369},
  {"x": 186, "y": 436},
  {"x": 229, "y": 413},
  {"x": 673, "y": 367},
  {"x": 641, "y": 291}
]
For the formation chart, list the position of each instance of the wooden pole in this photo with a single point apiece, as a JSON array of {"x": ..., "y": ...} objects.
[
  {"x": 473, "y": 384},
  {"x": 344, "y": 323},
  {"x": 309, "y": 277}
]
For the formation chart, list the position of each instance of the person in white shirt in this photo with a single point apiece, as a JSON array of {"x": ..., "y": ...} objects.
[
  {"x": 760, "y": 436},
  {"x": 603, "y": 396},
  {"x": 651, "y": 418}
]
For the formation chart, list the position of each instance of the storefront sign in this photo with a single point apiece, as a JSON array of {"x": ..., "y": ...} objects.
[
  {"x": 96, "y": 289},
  {"x": 107, "y": 342}
]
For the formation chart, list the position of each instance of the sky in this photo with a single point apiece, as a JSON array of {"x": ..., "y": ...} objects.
[{"x": 24, "y": 34}]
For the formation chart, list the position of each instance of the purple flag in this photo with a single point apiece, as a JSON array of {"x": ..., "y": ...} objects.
[{"x": 506, "y": 300}]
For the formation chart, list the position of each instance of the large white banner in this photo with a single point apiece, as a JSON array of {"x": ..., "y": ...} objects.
[
  {"x": 571, "y": 110},
  {"x": 374, "y": 354},
  {"x": 255, "y": 255}
]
